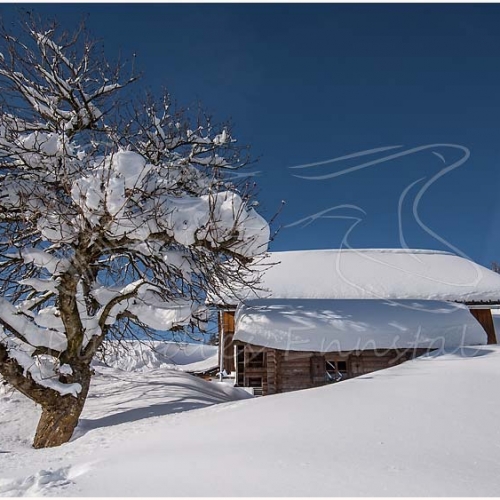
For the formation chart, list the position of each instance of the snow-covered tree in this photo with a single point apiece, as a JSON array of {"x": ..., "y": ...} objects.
[{"x": 113, "y": 217}]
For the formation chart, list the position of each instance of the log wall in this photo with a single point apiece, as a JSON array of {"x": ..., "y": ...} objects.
[
  {"x": 291, "y": 371},
  {"x": 272, "y": 370},
  {"x": 295, "y": 371}
]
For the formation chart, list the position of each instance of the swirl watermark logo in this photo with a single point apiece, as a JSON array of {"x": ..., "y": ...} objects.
[{"x": 389, "y": 154}]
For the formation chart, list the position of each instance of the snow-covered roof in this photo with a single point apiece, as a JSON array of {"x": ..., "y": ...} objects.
[
  {"x": 374, "y": 274},
  {"x": 344, "y": 325}
]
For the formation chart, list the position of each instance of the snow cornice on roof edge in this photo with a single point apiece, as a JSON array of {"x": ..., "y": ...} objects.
[{"x": 319, "y": 325}]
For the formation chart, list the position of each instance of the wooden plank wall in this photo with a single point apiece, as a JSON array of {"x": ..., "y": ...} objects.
[
  {"x": 295, "y": 371},
  {"x": 291, "y": 371},
  {"x": 370, "y": 361},
  {"x": 363, "y": 362},
  {"x": 318, "y": 371}
]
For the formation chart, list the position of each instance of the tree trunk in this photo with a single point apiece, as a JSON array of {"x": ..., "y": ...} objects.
[{"x": 60, "y": 416}]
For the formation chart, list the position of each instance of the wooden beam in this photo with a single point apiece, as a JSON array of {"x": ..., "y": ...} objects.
[
  {"x": 272, "y": 372},
  {"x": 318, "y": 370},
  {"x": 228, "y": 327},
  {"x": 486, "y": 320}
]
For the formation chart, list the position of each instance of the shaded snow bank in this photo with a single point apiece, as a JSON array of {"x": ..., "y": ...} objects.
[
  {"x": 116, "y": 397},
  {"x": 428, "y": 427}
]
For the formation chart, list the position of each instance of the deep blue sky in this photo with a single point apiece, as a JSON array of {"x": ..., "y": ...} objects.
[{"x": 307, "y": 83}]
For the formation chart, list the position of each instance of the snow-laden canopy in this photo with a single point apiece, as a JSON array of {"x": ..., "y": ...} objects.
[
  {"x": 393, "y": 274},
  {"x": 125, "y": 207},
  {"x": 124, "y": 196},
  {"x": 355, "y": 325}
]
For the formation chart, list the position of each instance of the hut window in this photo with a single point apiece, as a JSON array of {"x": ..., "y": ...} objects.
[
  {"x": 336, "y": 370},
  {"x": 342, "y": 366},
  {"x": 256, "y": 360},
  {"x": 255, "y": 382}
]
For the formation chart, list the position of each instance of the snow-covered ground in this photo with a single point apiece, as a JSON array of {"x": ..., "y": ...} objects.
[
  {"x": 427, "y": 427},
  {"x": 121, "y": 405}
]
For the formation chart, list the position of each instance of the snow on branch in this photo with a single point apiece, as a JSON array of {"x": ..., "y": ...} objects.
[
  {"x": 25, "y": 329},
  {"x": 61, "y": 88},
  {"x": 143, "y": 301},
  {"x": 43, "y": 370}
]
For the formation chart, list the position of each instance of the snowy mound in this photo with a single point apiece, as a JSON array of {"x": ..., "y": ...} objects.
[{"x": 147, "y": 355}]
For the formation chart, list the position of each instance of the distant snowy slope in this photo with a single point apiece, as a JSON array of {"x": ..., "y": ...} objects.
[
  {"x": 429, "y": 427},
  {"x": 134, "y": 355}
]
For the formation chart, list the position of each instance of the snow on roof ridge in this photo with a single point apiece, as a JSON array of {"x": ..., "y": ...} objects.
[
  {"x": 367, "y": 273},
  {"x": 370, "y": 273}
]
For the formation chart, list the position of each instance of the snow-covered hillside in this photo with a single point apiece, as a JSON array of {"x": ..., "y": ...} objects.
[
  {"x": 427, "y": 427},
  {"x": 134, "y": 355}
]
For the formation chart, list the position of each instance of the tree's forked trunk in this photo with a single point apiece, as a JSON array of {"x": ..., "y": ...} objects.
[{"x": 59, "y": 418}]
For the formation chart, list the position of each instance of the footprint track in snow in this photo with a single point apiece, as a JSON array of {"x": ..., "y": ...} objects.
[{"x": 43, "y": 482}]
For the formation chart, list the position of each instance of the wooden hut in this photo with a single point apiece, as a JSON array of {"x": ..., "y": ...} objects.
[{"x": 328, "y": 315}]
